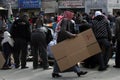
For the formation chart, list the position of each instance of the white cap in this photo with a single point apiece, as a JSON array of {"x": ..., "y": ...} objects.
[{"x": 97, "y": 13}]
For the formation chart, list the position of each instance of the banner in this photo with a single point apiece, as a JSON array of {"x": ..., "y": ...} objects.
[
  {"x": 71, "y": 4},
  {"x": 26, "y": 4}
]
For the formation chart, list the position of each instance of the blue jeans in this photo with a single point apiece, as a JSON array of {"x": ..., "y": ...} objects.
[{"x": 75, "y": 68}]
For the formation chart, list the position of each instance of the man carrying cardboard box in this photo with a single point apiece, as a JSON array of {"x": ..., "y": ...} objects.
[{"x": 66, "y": 31}]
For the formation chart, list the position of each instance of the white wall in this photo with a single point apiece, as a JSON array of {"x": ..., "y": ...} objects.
[
  {"x": 95, "y": 4},
  {"x": 113, "y": 4},
  {"x": 107, "y": 6}
]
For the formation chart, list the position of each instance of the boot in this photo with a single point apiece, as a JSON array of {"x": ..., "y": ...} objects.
[{"x": 81, "y": 73}]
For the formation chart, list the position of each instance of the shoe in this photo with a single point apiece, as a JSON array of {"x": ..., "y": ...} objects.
[
  {"x": 116, "y": 66},
  {"x": 6, "y": 68},
  {"x": 24, "y": 67},
  {"x": 47, "y": 68},
  {"x": 35, "y": 67},
  {"x": 17, "y": 66},
  {"x": 56, "y": 75},
  {"x": 102, "y": 69},
  {"x": 40, "y": 64},
  {"x": 107, "y": 66},
  {"x": 81, "y": 73}
]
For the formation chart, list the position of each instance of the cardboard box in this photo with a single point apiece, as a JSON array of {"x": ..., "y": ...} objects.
[
  {"x": 71, "y": 51},
  {"x": 2, "y": 60}
]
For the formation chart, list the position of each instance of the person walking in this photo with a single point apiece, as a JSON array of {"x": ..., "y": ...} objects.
[
  {"x": 66, "y": 32},
  {"x": 20, "y": 32}
]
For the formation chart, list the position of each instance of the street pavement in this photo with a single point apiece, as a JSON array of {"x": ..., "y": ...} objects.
[{"x": 40, "y": 74}]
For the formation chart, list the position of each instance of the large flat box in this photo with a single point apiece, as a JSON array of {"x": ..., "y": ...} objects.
[
  {"x": 2, "y": 60},
  {"x": 71, "y": 51}
]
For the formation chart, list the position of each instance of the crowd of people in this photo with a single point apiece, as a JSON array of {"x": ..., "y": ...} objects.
[{"x": 25, "y": 31}]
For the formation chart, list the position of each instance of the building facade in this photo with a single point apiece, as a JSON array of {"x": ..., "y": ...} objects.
[
  {"x": 56, "y": 6},
  {"x": 106, "y": 6},
  {"x": 113, "y": 6},
  {"x": 74, "y": 5},
  {"x": 49, "y": 6}
]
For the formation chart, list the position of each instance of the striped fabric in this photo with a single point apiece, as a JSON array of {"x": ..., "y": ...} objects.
[
  {"x": 117, "y": 29},
  {"x": 100, "y": 27}
]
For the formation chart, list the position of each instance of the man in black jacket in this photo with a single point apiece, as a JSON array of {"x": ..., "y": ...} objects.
[{"x": 20, "y": 32}]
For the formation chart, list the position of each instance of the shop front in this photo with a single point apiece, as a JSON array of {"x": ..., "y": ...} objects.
[
  {"x": 29, "y": 6},
  {"x": 106, "y": 6},
  {"x": 50, "y": 7},
  {"x": 74, "y": 5}
]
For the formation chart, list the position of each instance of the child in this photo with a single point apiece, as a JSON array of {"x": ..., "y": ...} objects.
[{"x": 7, "y": 44}]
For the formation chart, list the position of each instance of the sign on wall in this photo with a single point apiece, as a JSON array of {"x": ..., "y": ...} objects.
[
  {"x": 71, "y": 4},
  {"x": 26, "y": 4}
]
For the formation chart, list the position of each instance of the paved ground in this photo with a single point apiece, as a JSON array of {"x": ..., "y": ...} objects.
[{"x": 40, "y": 74}]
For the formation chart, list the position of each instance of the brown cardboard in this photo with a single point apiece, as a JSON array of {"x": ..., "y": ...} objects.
[
  {"x": 2, "y": 60},
  {"x": 71, "y": 51}
]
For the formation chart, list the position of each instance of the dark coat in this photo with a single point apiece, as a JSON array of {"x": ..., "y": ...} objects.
[
  {"x": 38, "y": 38},
  {"x": 100, "y": 26},
  {"x": 21, "y": 29},
  {"x": 117, "y": 30},
  {"x": 67, "y": 30},
  {"x": 84, "y": 27}
]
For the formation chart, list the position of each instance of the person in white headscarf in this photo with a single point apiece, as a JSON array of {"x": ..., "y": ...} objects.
[
  {"x": 101, "y": 29},
  {"x": 7, "y": 44}
]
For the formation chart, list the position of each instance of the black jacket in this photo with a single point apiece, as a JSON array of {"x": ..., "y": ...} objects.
[{"x": 21, "y": 29}]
